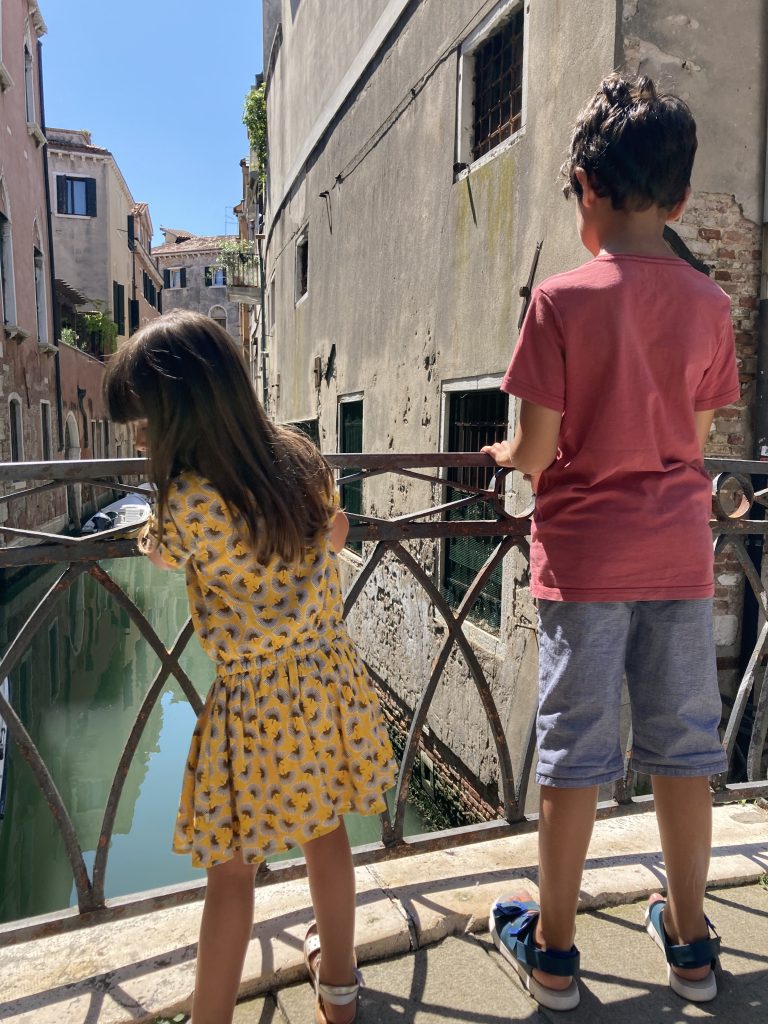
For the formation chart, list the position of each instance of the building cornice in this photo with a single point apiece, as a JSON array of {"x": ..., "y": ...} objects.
[{"x": 35, "y": 16}]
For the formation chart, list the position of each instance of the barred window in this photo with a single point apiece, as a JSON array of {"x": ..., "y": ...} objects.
[
  {"x": 351, "y": 440},
  {"x": 475, "y": 419},
  {"x": 491, "y": 83},
  {"x": 498, "y": 82}
]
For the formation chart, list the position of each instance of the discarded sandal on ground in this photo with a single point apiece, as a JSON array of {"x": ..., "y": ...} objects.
[
  {"x": 333, "y": 995},
  {"x": 689, "y": 954},
  {"x": 512, "y": 925}
]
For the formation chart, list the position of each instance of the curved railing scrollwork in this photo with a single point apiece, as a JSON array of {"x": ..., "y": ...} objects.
[{"x": 738, "y": 506}]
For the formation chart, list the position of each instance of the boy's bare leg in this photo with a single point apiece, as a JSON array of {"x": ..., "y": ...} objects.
[
  {"x": 225, "y": 931},
  {"x": 565, "y": 828},
  {"x": 332, "y": 886},
  {"x": 684, "y": 812}
]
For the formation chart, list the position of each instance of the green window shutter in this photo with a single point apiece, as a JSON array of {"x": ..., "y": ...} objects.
[
  {"x": 131, "y": 232},
  {"x": 61, "y": 194},
  {"x": 208, "y": 277},
  {"x": 166, "y": 279},
  {"x": 133, "y": 311},
  {"x": 90, "y": 197},
  {"x": 183, "y": 277},
  {"x": 160, "y": 300}
]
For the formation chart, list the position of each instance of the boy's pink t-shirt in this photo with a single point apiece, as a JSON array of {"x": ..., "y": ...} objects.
[{"x": 627, "y": 348}]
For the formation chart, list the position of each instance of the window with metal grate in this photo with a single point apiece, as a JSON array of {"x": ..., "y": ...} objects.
[{"x": 475, "y": 418}]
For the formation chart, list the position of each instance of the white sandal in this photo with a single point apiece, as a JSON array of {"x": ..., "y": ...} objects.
[{"x": 334, "y": 995}]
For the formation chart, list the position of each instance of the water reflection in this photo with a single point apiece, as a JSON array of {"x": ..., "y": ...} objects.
[{"x": 77, "y": 691}]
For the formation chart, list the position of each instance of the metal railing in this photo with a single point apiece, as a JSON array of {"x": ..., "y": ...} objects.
[{"x": 737, "y": 515}]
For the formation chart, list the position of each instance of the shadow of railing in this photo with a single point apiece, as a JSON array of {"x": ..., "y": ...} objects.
[{"x": 737, "y": 514}]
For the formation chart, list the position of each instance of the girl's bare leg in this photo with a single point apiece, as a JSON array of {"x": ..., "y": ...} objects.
[
  {"x": 225, "y": 931},
  {"x": 332, "y": 887}
]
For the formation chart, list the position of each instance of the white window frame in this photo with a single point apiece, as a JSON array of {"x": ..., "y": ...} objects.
[
  {"x": 465, "y": 87},
  {"x": 16, "y": 413},
  {"x": 46, "y": 428},
  {"x": 8, "y": 294},
  {"x": 302, "y": 241},
  {"x": 41, "y": 298},
  {"x": 177, "y": 272},
  {"x": 6, "y": 81}
]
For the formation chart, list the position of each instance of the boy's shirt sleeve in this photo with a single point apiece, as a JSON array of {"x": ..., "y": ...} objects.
[
  {"x": 720, "y": 384},
  {"x": 537, "y": 370}
]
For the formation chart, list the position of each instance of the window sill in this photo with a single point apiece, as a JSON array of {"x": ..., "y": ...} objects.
[
  {"x": 301, "y": 300},
  {"x": 5, "y": 78},
  {"x": 46, "y": 347},
  {"x": 36, "y": 132},
  {"x": 14, "y": 331},
  {"x": 496, "y": 152}
]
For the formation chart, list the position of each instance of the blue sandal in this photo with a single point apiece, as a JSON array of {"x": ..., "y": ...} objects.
[
  {"x": 512, "y": 924},
  {"x": 689, "y": 954}
]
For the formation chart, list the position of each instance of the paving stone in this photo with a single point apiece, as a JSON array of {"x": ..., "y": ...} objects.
[{"x": 454, "y": 981}]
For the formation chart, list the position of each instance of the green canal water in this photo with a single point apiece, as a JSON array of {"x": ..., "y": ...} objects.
[{"x": 77, "y": 691}]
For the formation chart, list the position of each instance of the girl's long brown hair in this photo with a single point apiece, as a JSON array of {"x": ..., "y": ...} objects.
[{"x": 185, "y": 375}]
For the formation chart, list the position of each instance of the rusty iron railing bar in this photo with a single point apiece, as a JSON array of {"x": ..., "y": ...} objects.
[
  {"x": 392, "y": 531},
  {"x": 759, "y": 732},
  {"x": 739, "y": 526},
  {"x": 435, "y": 510},
  {"x": 146, "y": 630},
  {"x": 748, "y": 568},
  {"x": 50, "y": 554},
  {"x": 29, "y": 492},
  {"x": 364, "y": 575},
  {"x": 85, "y": 897},
  {"x": 72, "y": 470},
  {"x": 59, "y": 538},
  {"x": 83, "y": 470},
  {"x": 126, "y": 760},
  {"x": 453, "y": 622}
]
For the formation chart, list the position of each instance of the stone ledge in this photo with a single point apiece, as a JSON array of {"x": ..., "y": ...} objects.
[{"x": 137, "y": 969}]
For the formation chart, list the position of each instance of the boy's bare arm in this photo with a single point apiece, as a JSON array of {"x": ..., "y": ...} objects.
[
  {"x": 534, "y": 445},
  {"x": 703, "y": 425}
]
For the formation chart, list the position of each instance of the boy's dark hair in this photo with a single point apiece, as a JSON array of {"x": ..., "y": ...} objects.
[{"x": 635, "y": 144}]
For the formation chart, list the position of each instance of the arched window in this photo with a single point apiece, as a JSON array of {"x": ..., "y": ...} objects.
[
  {"x": 41, "y": 302},
  {"x": 219, "y": 315},
  {"x": 16, "y": 431},
  {"x": 7, "y": 289}
]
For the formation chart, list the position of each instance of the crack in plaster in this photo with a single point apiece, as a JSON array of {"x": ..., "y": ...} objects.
[{"x": 639, "y": 50}]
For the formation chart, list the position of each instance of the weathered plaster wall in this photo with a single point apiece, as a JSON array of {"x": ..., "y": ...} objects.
[{"x": 414, "y": 277}]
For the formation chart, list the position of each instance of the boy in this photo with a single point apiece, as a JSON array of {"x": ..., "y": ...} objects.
[{"x": 620, "y": 367}]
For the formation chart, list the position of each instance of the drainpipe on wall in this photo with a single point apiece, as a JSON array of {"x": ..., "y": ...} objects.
[
  {"x": 761, "y": 404},
  {"x": 56, "y": 313}
]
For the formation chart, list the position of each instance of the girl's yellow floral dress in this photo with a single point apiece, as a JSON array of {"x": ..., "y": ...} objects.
[{"x": 291, "y": 736}]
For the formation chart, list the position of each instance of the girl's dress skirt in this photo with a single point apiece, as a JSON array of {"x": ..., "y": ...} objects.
[{"x": 282, "y": 749}]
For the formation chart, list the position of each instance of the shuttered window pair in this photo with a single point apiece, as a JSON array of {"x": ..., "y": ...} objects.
[{"x": 76, "y": 197}]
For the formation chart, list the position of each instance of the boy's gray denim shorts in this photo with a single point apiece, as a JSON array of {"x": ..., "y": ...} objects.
[{"x": 667, "y": 651}]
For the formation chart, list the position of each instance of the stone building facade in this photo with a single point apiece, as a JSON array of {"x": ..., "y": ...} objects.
[
  {"x": 193, "y": 280},
  {"x": 29, "y": 373},
  {"x": 405, "y": 204}
]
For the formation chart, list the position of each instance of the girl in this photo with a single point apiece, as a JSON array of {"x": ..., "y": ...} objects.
[{"x": 291, "y": 737}]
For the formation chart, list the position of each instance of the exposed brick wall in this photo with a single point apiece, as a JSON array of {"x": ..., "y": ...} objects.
[
  {"x": 716, "y": 231},
  {"x": 452, "y": 796}
]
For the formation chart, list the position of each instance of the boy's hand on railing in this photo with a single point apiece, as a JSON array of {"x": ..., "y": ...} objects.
[{"x": 501, "y": 453}]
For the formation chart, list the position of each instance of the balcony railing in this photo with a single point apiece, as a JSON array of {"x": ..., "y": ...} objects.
[{"x": 737, "y": 514}]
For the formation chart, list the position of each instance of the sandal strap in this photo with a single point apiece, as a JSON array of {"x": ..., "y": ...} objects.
[
  {"x": 518, "y": 936},
  {"x": 340, "y": 995},
  {"x": 701, "y": 953}
]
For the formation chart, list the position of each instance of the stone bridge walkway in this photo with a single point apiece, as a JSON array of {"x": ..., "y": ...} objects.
[{"x": 422, "y": 942}]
